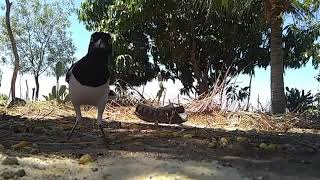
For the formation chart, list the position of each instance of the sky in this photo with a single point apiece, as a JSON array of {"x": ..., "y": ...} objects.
[{"x": 300, "y": 78}]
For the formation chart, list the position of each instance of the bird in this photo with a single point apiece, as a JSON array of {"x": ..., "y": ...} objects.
[{"x": 89, "y": 78}]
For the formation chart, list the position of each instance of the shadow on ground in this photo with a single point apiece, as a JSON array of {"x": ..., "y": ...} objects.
[{"x": 295, "y": 155}]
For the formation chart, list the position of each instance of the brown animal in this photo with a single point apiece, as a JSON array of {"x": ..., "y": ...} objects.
[{"x": 169, "y": 114}]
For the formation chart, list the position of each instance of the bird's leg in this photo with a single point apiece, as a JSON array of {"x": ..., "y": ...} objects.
[
  {"x": 78, "y": 118},
  {"x": 99, "y": 119}
]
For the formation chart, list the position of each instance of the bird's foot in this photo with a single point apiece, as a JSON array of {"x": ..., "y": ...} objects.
[
  {"x": 102, "y": 133},
  {"x": 71, "y": 132}
]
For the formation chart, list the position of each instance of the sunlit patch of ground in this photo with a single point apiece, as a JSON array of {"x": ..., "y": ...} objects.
[
  {"x": 226, "y": 120},
  {"x": 230, "y": 121},
  {"x": 134, "y": 166}
]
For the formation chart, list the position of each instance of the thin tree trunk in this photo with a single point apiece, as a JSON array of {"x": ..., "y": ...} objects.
[
  {"x": 36, "y": 78},
  {"x": 14, "y": 50},
  {"x": 202, "y": 80},
  {"x": 164, "y": 97},
  {"x": 278, "y": 102},
  {"x": 202, "y": 77},
  {"x": 57, "y": 89},
  {"x": 27, "y": 92},
  {"x": 1, "y": 79},
  {"x": 249, "y": 94},
  {"x": 143, "y": 89},
  {"x": 258, "y": 102},
  {"x": 33, "y": 90},
  {"x": 20, "y": 86}
]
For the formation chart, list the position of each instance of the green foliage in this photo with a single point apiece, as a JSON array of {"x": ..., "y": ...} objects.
[
  {"x": 313, "y": 114},
  {"x": 194, "y": 44},
  {"x": 166, "y": 36},
  {"x": 299, "y": 101},
  {"x": 236, "y": 93},
  {"x": 131, "y": 60},
  {"x": 59, "y": 70},
  {"x": 41, "y": 31},
  {"x": 300, "y": 35},
  {"x": 301, "y": 45},
  {"x": 3, "y": 99},
  {"x": 61, "y": 95}
]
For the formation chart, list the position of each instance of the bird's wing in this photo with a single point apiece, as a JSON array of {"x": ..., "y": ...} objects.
[{"x": 68, "y": 75}]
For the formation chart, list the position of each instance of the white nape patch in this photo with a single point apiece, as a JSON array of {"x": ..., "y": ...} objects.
[
  {"x": 183, "y": 116},
  {"x": 99, "y": 44}
]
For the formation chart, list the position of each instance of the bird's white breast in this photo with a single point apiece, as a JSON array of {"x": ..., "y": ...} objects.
[{"x": 86, "y": 95}]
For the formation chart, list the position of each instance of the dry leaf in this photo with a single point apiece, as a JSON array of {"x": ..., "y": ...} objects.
[
  {"x": 212, "y": 145},
  {"x": 272, "y": 147},
  {"x": 224, "y": 140},
  {"x": 2, "y": 147},
  {"x": 85, "y": 159},
  {"x": 263, "y": 146},
  {"x": 175, "y": 134},
  {"x": 241, "y": 139},
  {"x": 188, "y": 136},
  {"x": 21, "y": 145}
]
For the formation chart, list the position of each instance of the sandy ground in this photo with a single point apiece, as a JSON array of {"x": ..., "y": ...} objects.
[
  {"x": 133, "y": 167},
  {"x": 136, "y": 150}
]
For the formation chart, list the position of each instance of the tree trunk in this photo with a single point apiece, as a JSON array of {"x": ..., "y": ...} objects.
[
  {"x": 164, "y": 97},
  {"x": 33, "y": 94},
  {"x": 278, "y": 102},
  {"x": 27, "y": 91},
  {"x": 143, "y": 89},
  {"x": 201, "y": 77},
  {"x": 14, "y": 49},
  {"x": 20, "y": 86},
  {"x": 36, "y": 78},
  {"x": 57, "y": 89},
  {"x": 249, "y": 94}
]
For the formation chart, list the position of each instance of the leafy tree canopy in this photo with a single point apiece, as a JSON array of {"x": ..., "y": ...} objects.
[
  {"x": 192, "y": 44},
  {"x": 40, "y": 29}
]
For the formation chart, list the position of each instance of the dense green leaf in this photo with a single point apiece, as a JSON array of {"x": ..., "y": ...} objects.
[
  {"x": 298, "y": 101},
  {"x": 195, "y": 41},
  {"x": 62, "y": 90},
  {"x": 54, "y": 91}
]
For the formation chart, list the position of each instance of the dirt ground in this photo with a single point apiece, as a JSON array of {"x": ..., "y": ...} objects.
[{"x": 137, "y": 150}]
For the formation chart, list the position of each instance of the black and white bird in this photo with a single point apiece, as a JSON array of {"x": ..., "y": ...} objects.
[{"x": 89, "y": 77}]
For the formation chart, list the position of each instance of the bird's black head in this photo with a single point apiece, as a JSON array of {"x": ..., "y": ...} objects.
[{"x": 101, "y": 41}]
